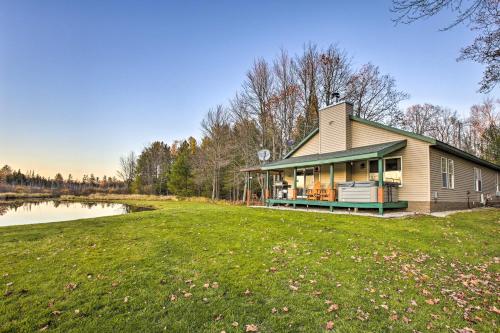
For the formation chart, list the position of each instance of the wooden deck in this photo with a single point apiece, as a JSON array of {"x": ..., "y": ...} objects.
[{"x": 334, "y": 204}]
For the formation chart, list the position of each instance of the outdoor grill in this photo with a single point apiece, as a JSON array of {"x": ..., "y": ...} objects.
[{"x": 280, "y": 190}]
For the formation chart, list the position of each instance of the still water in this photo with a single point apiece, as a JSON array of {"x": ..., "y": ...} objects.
[{"x": 33, "y": 212}]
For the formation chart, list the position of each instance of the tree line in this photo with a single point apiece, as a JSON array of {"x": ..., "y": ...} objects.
[
  {"x": 15, "y": 180},
  {"x": 278, "y": 105}
]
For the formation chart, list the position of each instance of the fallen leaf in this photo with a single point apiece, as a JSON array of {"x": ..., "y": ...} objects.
[
  {"x": 329, "y": 325},
  {"x": 215, "y": 285},
  {"x": 285, "y": 309},
  {"x": 173, "y": 298},
  {"x": 125, "y": 300},
  {"x": 247, "y": 292},
  {"x": 293, "y": 288},
  {"x": 274, "y": 310},
  {"x": 494, "y": 309},
  {"x": 464, "y": 330},
  {"x": 251, "y": 328},
  {"x": 333, "y": 307},
  {"x": 71, "y": 286},
  {"x": 187, "y": 295},
  {"x": 235, "y": 324}
]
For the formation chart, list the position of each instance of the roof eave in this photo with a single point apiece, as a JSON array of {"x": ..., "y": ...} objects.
[
  {"x": 458, "y": 152},
  {"x": 364, "y": 156},
  {"x": 395, "y": 130}
]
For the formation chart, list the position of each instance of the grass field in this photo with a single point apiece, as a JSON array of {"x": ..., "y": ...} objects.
[{"x": 200, "y": 267}]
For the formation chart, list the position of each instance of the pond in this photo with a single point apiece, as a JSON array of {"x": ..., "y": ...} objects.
[{"x": 34, "y": 212}]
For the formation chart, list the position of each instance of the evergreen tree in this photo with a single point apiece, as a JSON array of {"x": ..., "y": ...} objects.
[{"x": 181, "y": 177}]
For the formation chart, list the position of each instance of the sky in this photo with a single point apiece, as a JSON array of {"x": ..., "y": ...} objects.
[{"x": 84, "y": 82}]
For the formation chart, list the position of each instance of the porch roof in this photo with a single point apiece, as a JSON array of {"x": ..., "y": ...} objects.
[{"x": 354, "y": 154}]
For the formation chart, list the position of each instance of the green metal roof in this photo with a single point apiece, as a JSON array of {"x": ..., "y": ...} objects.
[
  {"x": 360, "y": 153},
  {"x": 435, "y": 143},
  {"x": 395, "y": 130},
  {"x": 458, "y": 152}
]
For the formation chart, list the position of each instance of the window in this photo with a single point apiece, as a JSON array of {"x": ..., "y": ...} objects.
[
  {"x": 478, "y": 180},
  {"x": 498, "y": 185},
  {"x": 392, "y": 170},
  {"x": 451, "y": 174},
  {"x": 447, "y": 173}
]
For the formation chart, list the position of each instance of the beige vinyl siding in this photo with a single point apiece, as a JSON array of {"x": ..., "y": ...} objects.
[
  {"x": 310, "y": 147},
  {"x": 464, "y": 179},
  {"x": 415, "y": 159},
  {"x": 360, "y": 171},
  {"x": 334, "y": 129}
]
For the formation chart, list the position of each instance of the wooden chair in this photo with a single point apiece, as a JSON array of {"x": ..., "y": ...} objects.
[
  {"x": 328, "y": 194},
  {"x": 315, "y": 192}
]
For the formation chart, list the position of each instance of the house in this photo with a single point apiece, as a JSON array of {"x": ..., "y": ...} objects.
[{"x": 356, "y": 163}]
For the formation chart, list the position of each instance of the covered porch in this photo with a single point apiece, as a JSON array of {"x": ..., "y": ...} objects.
[{"x": 358, "y": 178}]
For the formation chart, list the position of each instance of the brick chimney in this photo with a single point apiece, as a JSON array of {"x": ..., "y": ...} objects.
[{"x": 335, "y": 127}]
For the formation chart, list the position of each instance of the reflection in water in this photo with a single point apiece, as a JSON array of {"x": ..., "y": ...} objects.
[{"x": 32, "y": 212}]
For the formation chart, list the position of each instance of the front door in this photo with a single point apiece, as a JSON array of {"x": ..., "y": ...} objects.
[{"x": 305, "y": 181}]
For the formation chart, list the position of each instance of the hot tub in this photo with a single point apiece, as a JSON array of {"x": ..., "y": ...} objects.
[{"x": 365, "y": 192}]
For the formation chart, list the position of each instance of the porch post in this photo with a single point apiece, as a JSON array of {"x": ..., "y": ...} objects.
[
  {"x": 266, "y": 192},
  {"x": 380, "y": 186},
  {"x": 332, "y": 191},
  {"x": 248, "y": 188},
  {"x": 294, "y": 185}
]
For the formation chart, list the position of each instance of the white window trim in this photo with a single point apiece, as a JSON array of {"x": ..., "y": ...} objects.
[
  {"x": 385, "y": 158},
  {"x": 445, "y": 160},
  {"x": 480, "y": 178},
  {"x": 450, "y": 177},
  {"x": 498, "y": 187}
]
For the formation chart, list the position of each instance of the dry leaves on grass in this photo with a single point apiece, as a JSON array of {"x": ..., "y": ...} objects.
[
  {"x": 464, "y": 330},
  {"x": 329, "y": 325},
  {"x": 251, "y": 328},
  {"x": 361, "y": 315},
  {"x": 432, "y": 301},
  {"x": 71, "y": 286},
  {"x": 333, "y": 307}
]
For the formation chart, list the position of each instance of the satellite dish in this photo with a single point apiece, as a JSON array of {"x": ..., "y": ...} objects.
[{"x": 264, "y": 155}]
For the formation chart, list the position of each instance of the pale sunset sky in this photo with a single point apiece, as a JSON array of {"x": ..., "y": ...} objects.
[{"x": 82, "y": 83}]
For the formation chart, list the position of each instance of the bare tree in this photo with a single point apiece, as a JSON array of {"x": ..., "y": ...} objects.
[
  {"x": 284, "y": 102},
  {"x": 307, "y": 69},
  {"x": 375, "y": 96},
  {"x": 258, "y": 89},
  {"x": 420, "y": 118},
  {"x": 482, "y": 16},
  {"x": 334, "y": 73},
  {"x": 217, "y": 131},
  {"x": 128, "y": 166}
]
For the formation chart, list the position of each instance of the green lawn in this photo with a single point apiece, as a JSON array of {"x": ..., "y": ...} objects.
[{"x": 199, "y": 267}]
